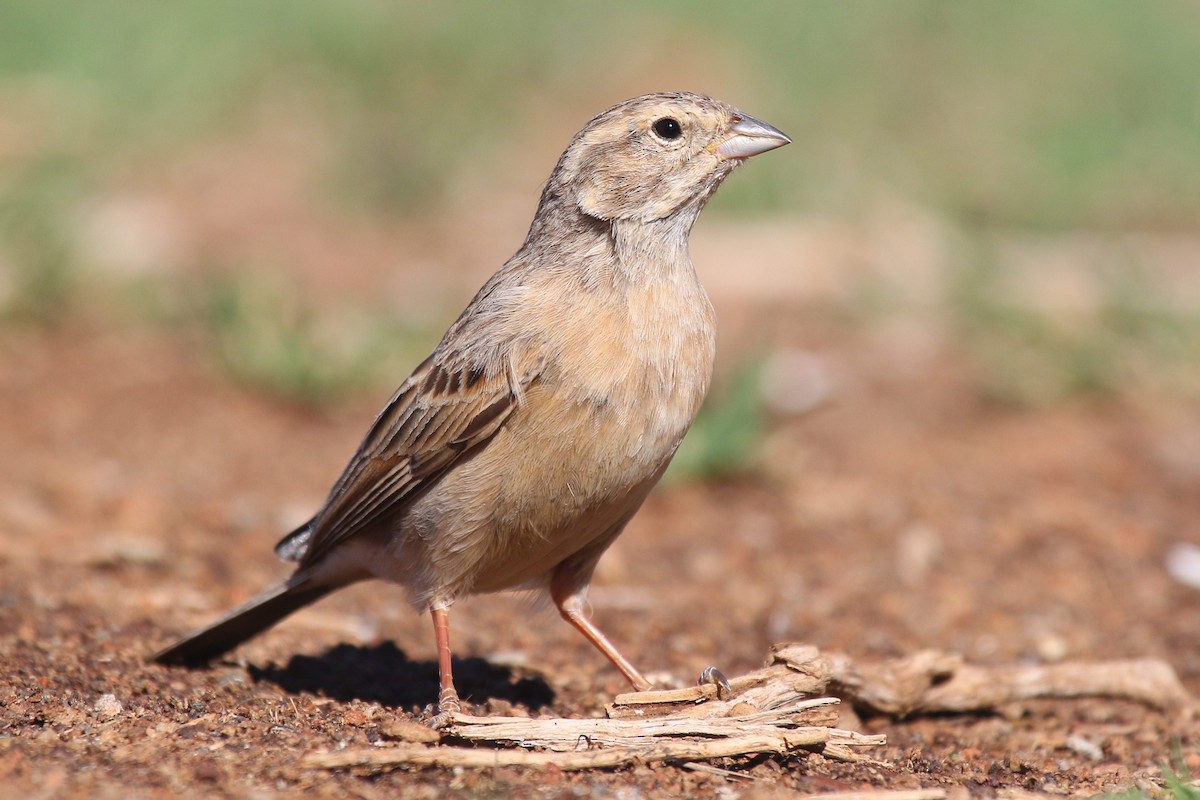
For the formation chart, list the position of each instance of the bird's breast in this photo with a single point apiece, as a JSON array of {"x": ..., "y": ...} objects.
[
  {"x": 641, "y": 366},
  {"x": 622, "y": 380}
]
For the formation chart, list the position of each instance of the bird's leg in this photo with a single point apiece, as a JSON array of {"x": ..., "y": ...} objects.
[
  {"x": 448, "y": 702},
  {"x": 571, "y": 606}
]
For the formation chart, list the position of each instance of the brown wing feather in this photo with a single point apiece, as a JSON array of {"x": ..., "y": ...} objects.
[{"x": 442, "y": 412}]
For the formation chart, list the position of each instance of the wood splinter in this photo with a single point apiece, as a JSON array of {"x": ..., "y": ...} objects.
[{"x": 778, "y": 709}]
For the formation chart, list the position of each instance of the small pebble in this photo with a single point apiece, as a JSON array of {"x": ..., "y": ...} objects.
[
  {"x": 108, "y": 707},
  {"x": 513, "y": 659},
  {"x": 355, "y": 717},
  {"x": 1052, "y": 648},
  {"x": 231, "y": 679},
  {"x": 1086, "y": 748},
  {"x": 1183, "y": 564},
  {"x": 794, "y": 381},
  {"x": 408, "y": 731}
]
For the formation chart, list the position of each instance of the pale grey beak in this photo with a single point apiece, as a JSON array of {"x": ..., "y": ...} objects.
[{"x": 749, "y": 137}]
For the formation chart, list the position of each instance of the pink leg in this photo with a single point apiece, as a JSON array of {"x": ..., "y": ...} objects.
[
  {"x": 570, "y": 605},
  {"x": 448, "y": 702}
]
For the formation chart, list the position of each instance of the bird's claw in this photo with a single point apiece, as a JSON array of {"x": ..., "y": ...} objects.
[
  {"x": 441, "y": 720},
  {"x": 717, "y": 678},
  {"x": 448, "y": 707}
]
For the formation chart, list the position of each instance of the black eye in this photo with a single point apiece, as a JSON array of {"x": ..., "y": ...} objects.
[{"x": 668, "y": 128}]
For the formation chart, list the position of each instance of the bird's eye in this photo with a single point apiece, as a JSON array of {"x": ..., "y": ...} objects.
[{"x": 668, "y": 128}]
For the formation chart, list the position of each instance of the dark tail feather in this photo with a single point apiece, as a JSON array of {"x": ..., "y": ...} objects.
[{"x": 244, "y": 622}]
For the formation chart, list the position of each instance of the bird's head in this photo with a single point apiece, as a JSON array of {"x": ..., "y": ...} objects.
[{"x": 654, "y": 156}]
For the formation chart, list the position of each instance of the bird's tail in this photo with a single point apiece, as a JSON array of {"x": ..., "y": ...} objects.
[{"x": 244, "y": 622}]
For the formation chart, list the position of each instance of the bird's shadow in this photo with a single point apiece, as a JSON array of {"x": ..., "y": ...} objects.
[{"x": 383, "y": 674}]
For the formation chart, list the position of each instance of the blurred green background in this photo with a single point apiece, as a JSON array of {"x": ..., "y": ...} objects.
[{"x": 318, "y": 186}]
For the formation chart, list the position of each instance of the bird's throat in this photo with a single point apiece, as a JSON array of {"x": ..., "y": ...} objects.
[{"x": 651, "y": 250}]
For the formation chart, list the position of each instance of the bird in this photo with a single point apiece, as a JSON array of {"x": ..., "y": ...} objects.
[{"x": 515, "y": 454}]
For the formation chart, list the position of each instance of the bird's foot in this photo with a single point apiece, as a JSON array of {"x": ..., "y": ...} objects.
[
  {"x": 448, "y": 706},
  {"x": 717, "y": 678}
]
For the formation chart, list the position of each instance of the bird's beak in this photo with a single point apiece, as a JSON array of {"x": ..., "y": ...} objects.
[{"x": 749, "y": 137}]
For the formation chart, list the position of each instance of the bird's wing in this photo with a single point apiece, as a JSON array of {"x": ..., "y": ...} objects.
[{"x": 446, "y": 409}]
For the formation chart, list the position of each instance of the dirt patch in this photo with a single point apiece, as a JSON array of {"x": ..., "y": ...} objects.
[{"x": 140, "y": 494}]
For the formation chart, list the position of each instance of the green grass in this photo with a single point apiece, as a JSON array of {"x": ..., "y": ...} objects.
[
  {"x": 32, "y": 208},
  {"x": 997, "y": 117},
  {"x": 269, "y": 338},
  {"x": 725, "y": 439},
  {"x": 1022, "y": 113},
  {"x": 1177, "y": 783},
  {"x": 1134, "y": 338}
]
